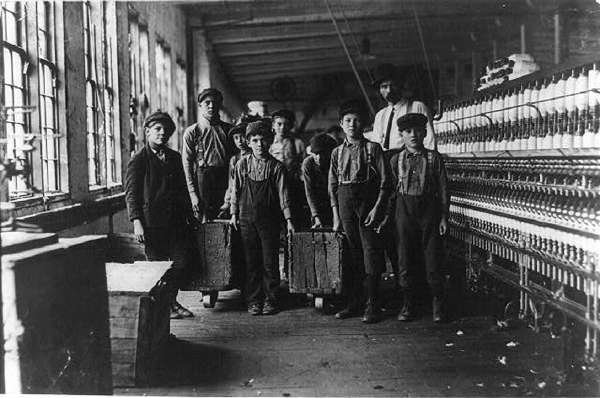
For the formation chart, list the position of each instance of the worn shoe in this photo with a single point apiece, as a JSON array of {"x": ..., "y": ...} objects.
[
  {"x": 178, "y": 311},
  {"x": 371, "y": 314},
  {"x": 254, "y": 309},
  {"x": 438, "y": 313},
  {"x": 406, "y": 313},
  {"x": 269, "y": 308}
]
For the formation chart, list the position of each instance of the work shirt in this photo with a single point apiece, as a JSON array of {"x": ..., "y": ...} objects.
[
  {"x": 204, "y": 145},
  {"x": 249, "y": 166},
  {"x": 315, "y": 186},
  {"x": 400, "y": 109},
  {"x": 289, "y": 151},
  {"x": 421, "y": 173},
  {"x": 357, "y": 163}
]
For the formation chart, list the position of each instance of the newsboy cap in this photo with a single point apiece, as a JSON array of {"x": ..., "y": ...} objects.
[
  {"x": 384, "y": 72},
  {"x": 237, "y": 129},
  {"x": 212, "y": 92},
  {"x": 258, "y": 128},
  {"x": 411, "y": 120},
  {"x": 286, "y": 114},
  {"x": 322, "y": 143},
  {"x": 162, "y": 118}
]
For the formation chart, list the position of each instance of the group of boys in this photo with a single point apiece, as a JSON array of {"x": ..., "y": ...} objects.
[{"x": 256, "y": 173}]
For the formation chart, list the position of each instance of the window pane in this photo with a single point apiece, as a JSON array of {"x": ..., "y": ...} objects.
[
  {"x": 49, "y": 113},
  {"x": 19, "y": 117},
  {"x": 8, "y": 96},
  {"x": 11, "y": 28},
  {"x": 17, "y": 70},
  {"x": 8, "y": 70}
]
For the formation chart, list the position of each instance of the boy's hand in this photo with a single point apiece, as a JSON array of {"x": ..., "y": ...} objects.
[
  {"x": 234, "y": 222},
  {"x": 383, "y": 224},
  {"x": 290, "y": 227},
  {"x": 371, "y": 218},
  {"x": 317, "y": 223},
  {"x": 195, "y": 205},
  {"x": 443, "y": 226},
  {"x": 138, "y": 230},
  {"x": 337, "y": 225}
]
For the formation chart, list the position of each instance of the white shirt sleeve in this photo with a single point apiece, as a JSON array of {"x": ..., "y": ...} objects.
[{"x": 378, "y": 132}]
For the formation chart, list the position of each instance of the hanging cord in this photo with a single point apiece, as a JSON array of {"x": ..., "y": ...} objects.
[
  {"x": 356, "y": 46},
  {"x": 343, "y": 43},
  {"x": 426, "y": 56}
]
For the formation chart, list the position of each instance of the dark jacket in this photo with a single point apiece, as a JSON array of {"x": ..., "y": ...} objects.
[{"x": 156, "y": 191}]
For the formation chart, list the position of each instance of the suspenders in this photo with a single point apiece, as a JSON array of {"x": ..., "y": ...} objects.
[
  {"x": 401, "y": 188},
  {"x": 370, "y": 157}
]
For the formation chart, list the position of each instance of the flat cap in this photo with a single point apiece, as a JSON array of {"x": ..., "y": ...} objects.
[
  {"x": 258, "y": 128},
  {"x": 322, "y": 143},
  {"x": 212, "y": 92},
  {"x": 384, "y": 72},
  {"x": 162, "y": 118},
  {"x": 237, "y": 129},
  {"x": 285, "y": 113},
  {"x": 411, "y": 120}
]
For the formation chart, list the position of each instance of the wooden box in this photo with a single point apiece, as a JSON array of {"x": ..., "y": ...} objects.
[
  {"x": 55, "y": 310},
  {"x": 220, "y": 261},
  {"x": 316, "y": 262},
  {"x": 139, "y": 324},
  {"x": 124, "y": 248}
]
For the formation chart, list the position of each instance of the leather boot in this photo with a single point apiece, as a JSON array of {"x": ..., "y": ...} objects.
[
  {"x": 438, "y": 312},
  {"x": 371, "y": 314},
  {"x": 406, "y": 313}
]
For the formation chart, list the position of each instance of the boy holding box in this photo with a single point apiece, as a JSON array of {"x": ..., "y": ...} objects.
[{"x": 358, "y": 188}]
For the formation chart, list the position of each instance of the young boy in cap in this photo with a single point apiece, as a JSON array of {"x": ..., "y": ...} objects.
[
  {"x": 421, "y": 206},
  {"x": 158, "y": 204},
  {"x": 260, "y": 195},
  {"x": 206, "y": 155},
  {"x": 315, "y": 170},
  {"x": 359, "y": 188}
]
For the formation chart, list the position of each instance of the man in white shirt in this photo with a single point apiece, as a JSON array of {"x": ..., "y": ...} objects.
[{"x": 398, "y": 93}]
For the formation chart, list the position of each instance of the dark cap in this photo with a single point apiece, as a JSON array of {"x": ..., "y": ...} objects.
[
  {"x": 322, "y": 143},
  {"x": 411, "y": 120},
  {"x": 212, "y": 92},
  {"x": 162, "y": 118},
  {"x": 384, "y": 72},
  {"x": 353, "y": 106},
  {"x": 285, "y": 113},
  {"x": 258, "y": 128}
]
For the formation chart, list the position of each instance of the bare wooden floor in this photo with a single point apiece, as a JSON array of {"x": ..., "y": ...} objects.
[{"x": 299, "y": 352}]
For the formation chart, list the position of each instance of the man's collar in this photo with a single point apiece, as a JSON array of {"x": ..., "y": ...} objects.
[{"x": 419, "y": 152}]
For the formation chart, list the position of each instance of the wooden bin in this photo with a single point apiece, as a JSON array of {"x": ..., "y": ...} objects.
[
  {"x": 221, "y": 265},
  {"x": 55, "y": 310},
  {"x": 315, "y": 264},
  {"x": 139, "y": 324}
]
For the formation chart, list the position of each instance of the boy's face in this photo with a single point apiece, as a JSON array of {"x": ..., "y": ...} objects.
[
  {"x": 389, "y": 90},
  {"x": 413, "y": 138},
  {"x": 156, "y": 135},
  {"x": 281, "y": 125},
  {"x": 259, "y": 145},
  {"x": 351, "y": 125},
  {"x": 239, "y": 141},
  {"x": 209, "y": 107}
]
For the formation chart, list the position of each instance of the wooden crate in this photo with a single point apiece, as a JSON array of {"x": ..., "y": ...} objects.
[
  {"x": 124, "y": 248},
  {"x": 139, "y": 324},
  {"x": 55, "y": 308},
  {"x": 220, "y": 258},
  {"x": 316, "y": 263}
]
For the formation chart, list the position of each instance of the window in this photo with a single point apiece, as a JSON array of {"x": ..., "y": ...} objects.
[
  {"x": 180, "y": 103},
  {"x": 101, "y": 99},
  {"x": 14, "y": 50},
  {"x": 30, "y": 71},
  {"x": 163, "y": 76},
  {"x": 139, "y": 78}
]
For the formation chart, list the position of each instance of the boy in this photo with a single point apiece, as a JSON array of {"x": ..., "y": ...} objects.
[
  {"x": 158, "y": 204},
  {"x": 260, "y": 195},
  {"x": 205, "y": 156},
  {"x": 421, "y": 206},
  {"x": 358, "y": 188},
  {"x": 237, "y": 138},
  {"x": 315, "y": 169}
]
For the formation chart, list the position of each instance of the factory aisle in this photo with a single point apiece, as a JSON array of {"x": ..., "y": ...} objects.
[{"x": 299, "y": 352}]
